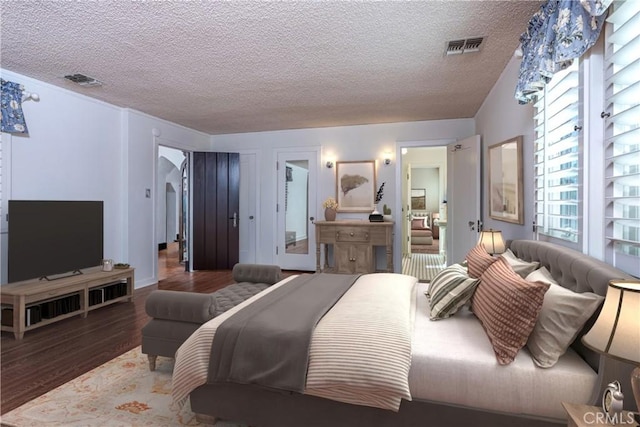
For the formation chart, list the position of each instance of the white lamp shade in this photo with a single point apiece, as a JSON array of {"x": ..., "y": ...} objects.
[
  {"x": 492, "y": 241},
  {"x": 617, "y": 330}
]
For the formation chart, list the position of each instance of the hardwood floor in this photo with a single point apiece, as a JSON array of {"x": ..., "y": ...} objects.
[{"x": 55, "y": 354}]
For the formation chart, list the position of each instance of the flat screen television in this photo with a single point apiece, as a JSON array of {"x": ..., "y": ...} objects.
[{"x": 51, "y": 237}]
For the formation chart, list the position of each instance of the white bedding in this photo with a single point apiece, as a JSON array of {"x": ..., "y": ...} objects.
[
  {"x": 374, "y": 319},
  {"x": 453, "y": 362}
]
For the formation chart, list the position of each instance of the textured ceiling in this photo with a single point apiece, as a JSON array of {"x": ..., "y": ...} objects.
[{"x": 229, "y": 67}]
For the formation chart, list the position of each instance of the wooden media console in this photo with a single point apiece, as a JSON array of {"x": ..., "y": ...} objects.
[{"x": 34, "y": 303}]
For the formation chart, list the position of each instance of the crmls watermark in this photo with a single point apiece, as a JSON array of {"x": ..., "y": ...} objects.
[{"x": 600, "y": 418}]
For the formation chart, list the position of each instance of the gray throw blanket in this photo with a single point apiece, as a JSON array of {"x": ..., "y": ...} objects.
[{"x": 267, "y": 343}]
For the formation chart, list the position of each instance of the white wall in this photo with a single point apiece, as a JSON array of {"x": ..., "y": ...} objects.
[
  {"x": 73, "y": 152},
  {"x": 79, "y": 148},
  {"x": 143, "y": 134},
  {"x": 365, "y": 142},
  {"x": 500, "y": 118}
]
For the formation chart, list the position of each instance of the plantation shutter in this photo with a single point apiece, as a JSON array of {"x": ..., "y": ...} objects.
[
  {"x": 622, "y": 136},
  {"x": 558, "y": 158}
]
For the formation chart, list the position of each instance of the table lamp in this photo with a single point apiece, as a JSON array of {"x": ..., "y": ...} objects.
[
  {"x": 492, "y": 240},
  {"x": 616, "y": 332}
]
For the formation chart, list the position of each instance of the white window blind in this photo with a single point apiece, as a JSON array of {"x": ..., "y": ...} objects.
[
  {"x": 622, "y": 136},
  {"x": 558, "y": 158}
]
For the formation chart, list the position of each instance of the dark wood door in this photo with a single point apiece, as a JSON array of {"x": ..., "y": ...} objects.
[{"x": 216, "y": 201}]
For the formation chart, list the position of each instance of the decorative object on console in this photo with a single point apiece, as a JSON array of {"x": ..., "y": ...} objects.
[
  {"x": 492, "y": 241},
  {"x": 330, "y": 205},
  {"x": 375, "y": 215},
  {"x": 355, "y": 185},
  {"x": 386, "y": 213},
  {"x": 616, "y": 332},
  {"x": 107, "y": 265}
]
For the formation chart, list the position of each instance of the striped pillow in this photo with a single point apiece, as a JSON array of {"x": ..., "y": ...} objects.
[
  {"x": 450, "y": 290},
  {"x": 479, "y": 260},
  {"x": 508, "y": 307}
]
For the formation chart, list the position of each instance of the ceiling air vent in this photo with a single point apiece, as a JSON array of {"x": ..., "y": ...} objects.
[
  {"x": 457, "y": 47},
  {"x": 83, "y": 80}
]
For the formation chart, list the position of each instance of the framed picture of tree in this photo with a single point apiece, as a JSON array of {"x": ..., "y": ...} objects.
[{"x": 356, "y": 185}]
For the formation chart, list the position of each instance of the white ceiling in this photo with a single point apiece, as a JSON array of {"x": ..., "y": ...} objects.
[{"x": 229, "y": 67}]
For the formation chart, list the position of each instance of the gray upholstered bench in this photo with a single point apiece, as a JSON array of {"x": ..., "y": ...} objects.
[{"x": 176, "y": 315}]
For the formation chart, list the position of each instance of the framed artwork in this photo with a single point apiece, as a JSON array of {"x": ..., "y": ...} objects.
[
  {"x": 356, "y": 186},
  {"x": 419, "y": 198},
  {"x": 505, "y": 181}
]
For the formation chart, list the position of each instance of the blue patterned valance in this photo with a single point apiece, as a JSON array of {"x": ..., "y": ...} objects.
[
  {"x": 12, "y": 118},
  {"x": 559, "y": 32}
]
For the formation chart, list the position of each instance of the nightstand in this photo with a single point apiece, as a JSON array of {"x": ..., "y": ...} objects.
[{"x": 590, "y": 416}]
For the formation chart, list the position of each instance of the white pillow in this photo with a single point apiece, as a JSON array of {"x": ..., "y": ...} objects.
[
  {"x": 562, "y": 316},
  {"x": 520, "y": 266}
]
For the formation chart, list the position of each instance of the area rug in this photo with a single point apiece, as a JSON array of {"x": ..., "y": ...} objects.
[
  {"x": 423, "y": 266},
  {"x": 122, "y": 392}
]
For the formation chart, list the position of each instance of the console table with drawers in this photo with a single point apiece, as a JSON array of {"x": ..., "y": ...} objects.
[{"x": 353, "y": 244}]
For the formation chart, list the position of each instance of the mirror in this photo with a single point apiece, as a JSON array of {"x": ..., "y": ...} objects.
[{"x": 296, "y": 207}]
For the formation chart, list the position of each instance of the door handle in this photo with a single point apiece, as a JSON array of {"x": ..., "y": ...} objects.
[
  {"x": 472, "y": 225},
  {"x": 311, "y": 218},
  {"x": 235, "y": 219}
]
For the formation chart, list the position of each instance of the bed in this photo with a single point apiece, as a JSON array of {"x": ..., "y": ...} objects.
[
  {"x": 423, "y": 232},
  {"x": 452, "y": 374}
]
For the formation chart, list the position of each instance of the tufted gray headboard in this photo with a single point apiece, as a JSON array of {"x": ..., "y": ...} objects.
[{"x": 579, "y": 273}]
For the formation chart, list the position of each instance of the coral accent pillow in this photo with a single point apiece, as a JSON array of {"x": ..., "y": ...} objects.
[
  {"x": 508, "y": 307},
  {"x": 478, "y": 260},
  {"x": 417, "y": 224}
]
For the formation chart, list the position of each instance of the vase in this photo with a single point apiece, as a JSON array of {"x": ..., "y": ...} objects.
[
  {"x": 375, "y": 210},
  {"x": 330, "y": 214}
]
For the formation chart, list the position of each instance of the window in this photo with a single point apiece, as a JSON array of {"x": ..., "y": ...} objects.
[
  {"x": 558, "y": 158},
  {"x": 622, "y": 136},
  {"x": 605, "y": 157}
]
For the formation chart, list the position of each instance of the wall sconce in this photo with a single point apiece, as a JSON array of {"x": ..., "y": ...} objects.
[
  {"x": 387, "y": 158},
  {"x": 329, "y": 164}
]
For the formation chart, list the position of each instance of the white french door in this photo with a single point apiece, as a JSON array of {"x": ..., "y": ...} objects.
[{"x": 463, "y": 197}]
